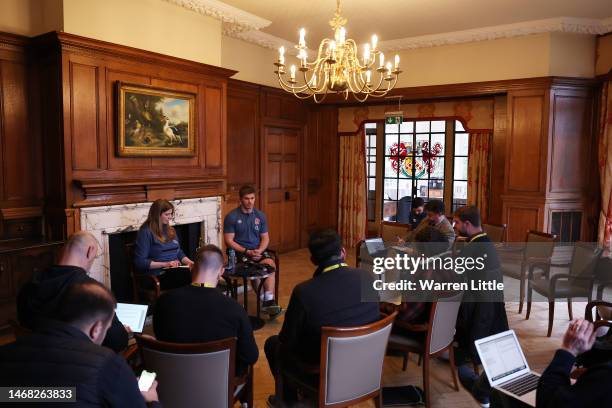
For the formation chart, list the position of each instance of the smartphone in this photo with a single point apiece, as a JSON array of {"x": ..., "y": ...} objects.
[{"x": 146, "y": 380}]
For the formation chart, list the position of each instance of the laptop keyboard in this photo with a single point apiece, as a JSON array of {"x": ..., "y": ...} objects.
[{"x": 522, "y": 385}]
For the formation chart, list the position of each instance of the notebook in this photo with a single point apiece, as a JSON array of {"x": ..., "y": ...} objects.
[{"x": 132, "y": 315}]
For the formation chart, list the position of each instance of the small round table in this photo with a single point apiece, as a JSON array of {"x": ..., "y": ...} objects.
[{"x": 246, "y": 272}]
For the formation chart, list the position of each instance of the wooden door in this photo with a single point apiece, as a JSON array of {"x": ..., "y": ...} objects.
[{"x": 281, "y": 185}]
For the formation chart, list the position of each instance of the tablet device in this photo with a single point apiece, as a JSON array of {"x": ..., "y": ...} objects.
[{"x": 132, "y": 315}]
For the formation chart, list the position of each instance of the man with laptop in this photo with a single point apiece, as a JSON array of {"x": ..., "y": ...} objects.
[{"x": 508, "y": 373}]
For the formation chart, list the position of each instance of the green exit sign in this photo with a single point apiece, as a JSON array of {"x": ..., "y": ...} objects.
[{"x": 394, "y": 118}]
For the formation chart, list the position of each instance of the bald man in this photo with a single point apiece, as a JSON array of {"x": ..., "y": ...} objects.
[{"x": 37, "y": 301}]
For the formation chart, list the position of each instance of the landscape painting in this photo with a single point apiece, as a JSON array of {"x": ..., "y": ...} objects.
[{"x": 155, "y": 122}]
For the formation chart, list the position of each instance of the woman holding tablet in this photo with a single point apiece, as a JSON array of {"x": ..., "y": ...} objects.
[{"x": 157, "y": 248}]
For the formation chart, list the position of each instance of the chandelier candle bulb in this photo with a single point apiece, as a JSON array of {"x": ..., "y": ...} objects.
[
  {"x": 396, "y": 62},
  {"x": 374, "y": 42},
  {"x": 302, "y": 42},
  {"x": 293, "y": 73},
  {"x": 388, "y": 68},
  {"x": 381, "y": 59},
  {"x": 342, "y": 36},
  {"x": 366, "y": 54},
  {"x": 281, "y": 55},
  {"x": 368, "y": 76}
]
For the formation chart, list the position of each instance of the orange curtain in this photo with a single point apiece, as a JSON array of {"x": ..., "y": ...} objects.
[
  {"x": 478, "y": 172},
  {"x": 605, "y": 165},
  {"x": 352, "y": 215}
]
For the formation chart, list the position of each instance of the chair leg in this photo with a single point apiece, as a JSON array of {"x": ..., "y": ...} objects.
[
  {"x": 451, "y": 360},
  {"x": 529, "y": 294},
  {"x": 405, "y": 363},
  {"x": 551, "y": 317},
  {"x": 426, "y": 381},
  {"x": 569, "y": 308},
  {"x": 521, "y": 295},
  {"x": 378, "y": 403}
]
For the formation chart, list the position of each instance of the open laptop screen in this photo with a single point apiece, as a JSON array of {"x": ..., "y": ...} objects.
[
  {"x": 502, "y": 356},
  {"x": 374, "y": 246}
]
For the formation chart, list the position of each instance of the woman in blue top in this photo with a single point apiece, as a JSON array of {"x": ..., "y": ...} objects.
[{"x": 157, "y": 247}]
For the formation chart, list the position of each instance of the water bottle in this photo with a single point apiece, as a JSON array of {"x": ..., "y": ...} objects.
[{"x": 231, "y": 258}]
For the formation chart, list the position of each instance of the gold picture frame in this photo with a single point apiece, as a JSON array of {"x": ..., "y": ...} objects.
[{"x": 154, "y": 121}]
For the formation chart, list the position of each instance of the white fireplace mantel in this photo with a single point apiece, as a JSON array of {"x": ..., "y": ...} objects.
[{"x": 113, "y": 219}]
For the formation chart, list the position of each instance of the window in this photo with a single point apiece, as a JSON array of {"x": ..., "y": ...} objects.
[
  {"x": 460, "y": 171},
  {"x": 370, "y": 146},
  {"x": 414, "y": 163},
  {"x": 423, "y": 158}
]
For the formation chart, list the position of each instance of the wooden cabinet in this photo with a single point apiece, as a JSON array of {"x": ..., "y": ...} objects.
[{"x": 19, "y": 261}]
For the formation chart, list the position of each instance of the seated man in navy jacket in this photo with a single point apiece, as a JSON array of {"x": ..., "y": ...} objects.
[
  {"x": 555, "y": 389},
  {"x": 66, "y": 352},
  {"x": 333, "y": 297},
  {"x": 200, "y": 312}
]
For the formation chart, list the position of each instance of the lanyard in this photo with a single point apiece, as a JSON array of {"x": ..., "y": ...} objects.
[
  {"x": 336, "y": 266},
  {"x": 482, "y": 234},
  {"x": 203, "y": 285}
]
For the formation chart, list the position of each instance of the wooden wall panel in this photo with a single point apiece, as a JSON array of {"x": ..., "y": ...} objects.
[
  {"x": 520, "y": 218},
  {"x": 571, "y": 141},
  {"x": 83, "y": 119},
  {"x": 21, "y": 179},
  {"x": 526, "y": 152},
  {"x": 498, "y": 159},
  {"x": 214, "y": 128},
  {"x": 242, "y": 136}
]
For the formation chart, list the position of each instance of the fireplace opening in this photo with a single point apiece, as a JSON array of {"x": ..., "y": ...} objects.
[{"x": 189, "y": 235}]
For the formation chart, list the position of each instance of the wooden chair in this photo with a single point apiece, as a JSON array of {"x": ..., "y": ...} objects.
[
  {"x": 495, "y": 232},
  {"x": 144, "y": 287},
  {"x": 196, "y": 374},
  {"x": 439, "y": 333},
  {"x": 350, "y": 369},
  {"x": 537, "y": 251},
  {"x": 577, "y": 283},
  {"x": 595, "y": 304}
]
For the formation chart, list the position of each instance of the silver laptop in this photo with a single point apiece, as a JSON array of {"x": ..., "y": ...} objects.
[
  {"x": 506, "y": 367},
  {"x": 375, "y": 246}
]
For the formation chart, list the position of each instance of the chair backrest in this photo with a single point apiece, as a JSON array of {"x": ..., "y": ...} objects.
[
  {"x": 442, "y": 321},
  {"x": 191, "y": 375},
  {"x": 389, "y": 231},
  {"x": 404, "y": 206},
  {"x": 352, "y": 361},
  {"x": 584, "y": 261},
  {"x": 495, "y": 232},
  {"x": 19, "y": 330},
  {"x": 539, "y": 244}
]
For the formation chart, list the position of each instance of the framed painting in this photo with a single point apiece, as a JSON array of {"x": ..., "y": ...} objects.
[{"x": 155, "y": 121}]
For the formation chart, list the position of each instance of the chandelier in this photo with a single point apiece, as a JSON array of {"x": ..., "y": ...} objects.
[{"x": 337, "y": 68}]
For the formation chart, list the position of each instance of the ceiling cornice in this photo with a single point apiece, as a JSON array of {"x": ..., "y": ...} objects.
[
  {"x": 246, "y": 26},
  {"x": 560, "y": 24},
  {"x": 233, "y": 18}
]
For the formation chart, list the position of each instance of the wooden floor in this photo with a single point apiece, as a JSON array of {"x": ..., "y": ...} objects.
[{"x": 539, "y": 349}]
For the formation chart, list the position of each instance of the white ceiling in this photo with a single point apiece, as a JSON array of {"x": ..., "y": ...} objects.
[{"x": 396, "y": 19}]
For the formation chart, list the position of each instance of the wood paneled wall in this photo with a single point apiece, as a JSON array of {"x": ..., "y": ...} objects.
[
  {"x": 550, "y": 155},
  {"x": 253, "y": 109},
  {"x": 21, "y": 191},
  {"x": 82, "y": 168}
]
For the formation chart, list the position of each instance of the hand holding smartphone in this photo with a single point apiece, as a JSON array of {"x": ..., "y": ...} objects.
[{"x": 146, "y": 380}]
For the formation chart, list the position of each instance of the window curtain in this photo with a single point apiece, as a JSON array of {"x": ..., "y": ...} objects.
[
  {"x": 605, "y": 165},
  {"x": 479, "y": 165},
  {"x": 352, "y": 215}
]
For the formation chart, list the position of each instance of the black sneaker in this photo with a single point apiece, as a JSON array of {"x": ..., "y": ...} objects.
[{"x": 271, "y": 308}]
